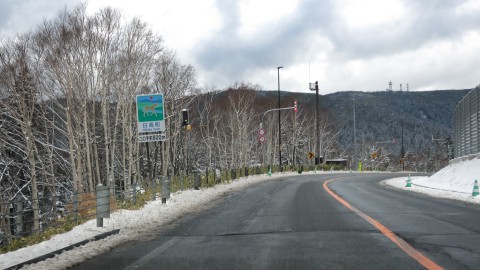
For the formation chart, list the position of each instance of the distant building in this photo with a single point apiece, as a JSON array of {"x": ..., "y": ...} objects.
[{"x": 338, "y": 161}]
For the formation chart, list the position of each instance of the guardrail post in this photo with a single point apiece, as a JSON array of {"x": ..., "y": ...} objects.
[
  {"x": 134, "y": 194},
  {"x": 103, "y": 204},
  {"x": 154, "y": 189},
  {"x": 75, "y": 207},
  {"x": 19, "y": 216},
  {"x": 165, "y": 189},
  {"x": 206, "y": 176},
  {"x": 196, "y": 181}
]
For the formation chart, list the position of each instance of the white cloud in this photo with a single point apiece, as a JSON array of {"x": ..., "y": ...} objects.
[
  {"x": 259, "y": 16},
  {"x": 183, "y": 23},
  {"x": 366, "y": 14},
  {"x": 19, "y": 17},
  {"x": 469, "y": 7},
  {"x": 437, "y": 65}
]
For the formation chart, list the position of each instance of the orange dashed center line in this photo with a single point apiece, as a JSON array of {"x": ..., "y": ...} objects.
[{"x": 406, "y": 247}]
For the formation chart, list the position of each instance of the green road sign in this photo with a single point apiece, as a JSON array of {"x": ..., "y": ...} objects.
[{"x": 150, "y": 113}]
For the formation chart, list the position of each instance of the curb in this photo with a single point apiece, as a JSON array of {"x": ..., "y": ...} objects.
[
  {"x": 441, "y": 189},
  {"x": 59, "y": 251}
]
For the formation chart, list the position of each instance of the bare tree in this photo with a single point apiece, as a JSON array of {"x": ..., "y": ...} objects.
[
  {"x": 17, "y": 80},
  {"x": 177, "y": 82}
]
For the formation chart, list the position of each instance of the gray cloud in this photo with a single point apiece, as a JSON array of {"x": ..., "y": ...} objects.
[
  {"x": 313, "y": 31},
  {"x": 232, "y": 55},
  {"x": 424, "y": 22},
  {"x": 228, "y": 55},
  {"x": 5, "y": 13},
  {"x": 18, "y": 17}
]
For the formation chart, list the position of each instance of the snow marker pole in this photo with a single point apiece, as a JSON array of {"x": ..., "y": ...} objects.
[
  {"x": 475, "y": 189},
  {"x": 409, "y": 182}
]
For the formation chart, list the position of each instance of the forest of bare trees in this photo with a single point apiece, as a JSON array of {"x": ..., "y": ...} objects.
[
  {"x": 68, "y": 117},
  {"x": 67, "y": 92}
]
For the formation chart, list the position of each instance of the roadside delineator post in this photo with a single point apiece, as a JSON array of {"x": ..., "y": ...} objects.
[
  {"x": 165, "y": 189},
  {"x": 103, "y": 204},
  {"x": 475, "y": 189},
  {"x": 409, "y": 182}
]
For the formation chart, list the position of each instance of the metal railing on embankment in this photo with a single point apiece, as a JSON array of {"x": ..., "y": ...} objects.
[{"x": 62, "y": 209}]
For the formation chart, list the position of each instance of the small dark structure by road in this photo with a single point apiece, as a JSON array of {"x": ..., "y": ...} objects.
[{"x": 337, "y": 162}]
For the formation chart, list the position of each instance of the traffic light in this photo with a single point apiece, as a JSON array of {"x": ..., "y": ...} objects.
[
  {"x": 295, "y": 108},
  {"x": 184, "y": 118},
  {"x": 316, "y": 85}
]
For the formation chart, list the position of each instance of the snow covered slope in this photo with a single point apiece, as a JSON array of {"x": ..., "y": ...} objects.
[{"x": 456, "y": 181}]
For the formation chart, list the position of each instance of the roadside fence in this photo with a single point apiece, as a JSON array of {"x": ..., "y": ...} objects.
[
  {"x": 467, "y": 125},
  {"x": 60, "y": 210}
]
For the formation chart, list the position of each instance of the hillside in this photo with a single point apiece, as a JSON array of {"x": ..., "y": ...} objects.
[{"x": 379, "y": 116}]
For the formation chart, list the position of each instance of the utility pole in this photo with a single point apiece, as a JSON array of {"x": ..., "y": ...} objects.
[
  {"x": 279, "y": 125},
  {"x": 317, "y": 123},
  {"x": 402, "y": 153},
  {"x": 317, "y": 150},
  {"x": 354, "y": 134}
]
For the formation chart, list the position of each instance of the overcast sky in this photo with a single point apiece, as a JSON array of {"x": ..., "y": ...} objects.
[{"x": 342, "y": 44}]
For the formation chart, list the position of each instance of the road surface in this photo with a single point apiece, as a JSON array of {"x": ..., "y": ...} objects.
[{"x": 305, "y": 222}]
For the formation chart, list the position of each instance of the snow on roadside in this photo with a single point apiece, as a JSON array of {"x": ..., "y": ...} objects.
[
  {"x": 455, "y": 182},
  {"x": 133, "y": 224}
]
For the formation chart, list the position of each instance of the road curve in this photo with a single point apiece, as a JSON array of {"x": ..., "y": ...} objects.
[{"x": 295, "y": 223}]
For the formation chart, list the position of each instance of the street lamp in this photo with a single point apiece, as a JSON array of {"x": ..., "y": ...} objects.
[{"x": 279, "y": 126}]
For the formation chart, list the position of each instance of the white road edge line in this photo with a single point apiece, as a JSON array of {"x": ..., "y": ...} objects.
[{"x": 154, "y": 253}]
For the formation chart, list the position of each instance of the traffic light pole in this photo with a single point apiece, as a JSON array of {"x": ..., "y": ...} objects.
[
  {"x": 187, "y": 127},
  {"x": 272, "y": 110}
]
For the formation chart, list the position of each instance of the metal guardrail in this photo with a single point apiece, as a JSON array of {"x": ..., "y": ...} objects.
[
  {"x": 467, "y": 125},
  {"x": 64, "y": 208}
]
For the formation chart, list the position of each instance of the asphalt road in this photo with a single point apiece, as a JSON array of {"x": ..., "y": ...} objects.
[{"x": 295, "y": 223}]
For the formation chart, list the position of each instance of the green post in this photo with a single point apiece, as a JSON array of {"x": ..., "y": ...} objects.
[
  {"x": 409, "y": 182},
  {"x": 475, "y": 189}
]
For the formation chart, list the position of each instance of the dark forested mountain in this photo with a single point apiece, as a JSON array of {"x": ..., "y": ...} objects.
[{"x": 379, "y": 116}]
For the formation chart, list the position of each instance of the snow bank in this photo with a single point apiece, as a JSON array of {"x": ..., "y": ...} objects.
[
  {"x": 455, "y": 182},
  {"x": 133, "y": 225}
]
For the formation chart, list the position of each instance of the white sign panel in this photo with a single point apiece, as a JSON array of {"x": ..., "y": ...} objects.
[{"x": 152, "y": 137}]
